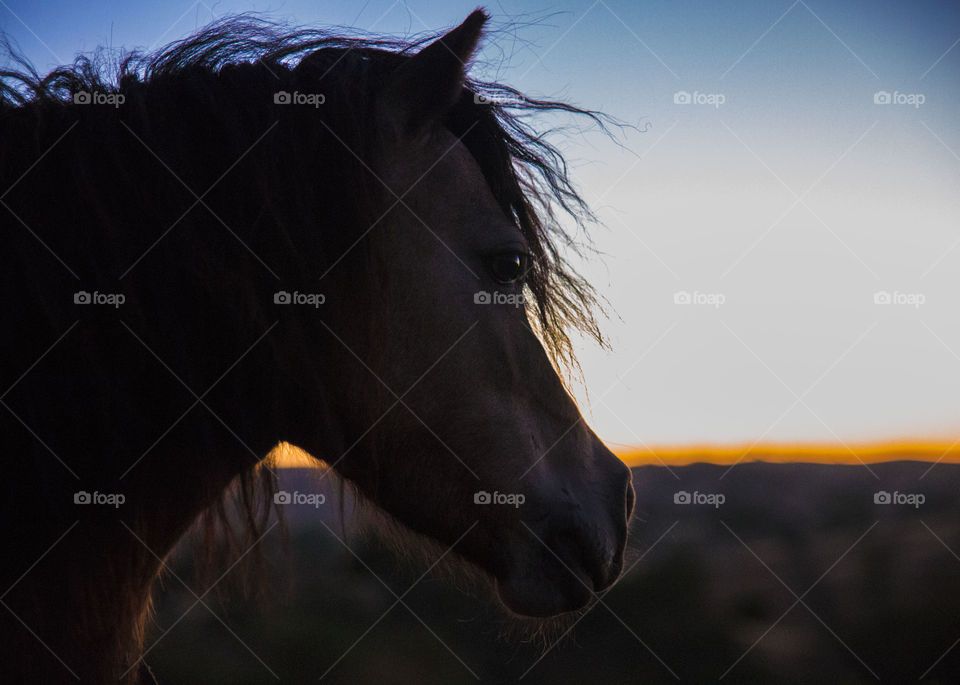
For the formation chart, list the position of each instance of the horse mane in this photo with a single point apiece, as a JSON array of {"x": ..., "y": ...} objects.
[{"x": 526, "y": 173}]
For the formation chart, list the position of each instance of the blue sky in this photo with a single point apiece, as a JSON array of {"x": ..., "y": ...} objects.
[{"x": 784, "y": 199}]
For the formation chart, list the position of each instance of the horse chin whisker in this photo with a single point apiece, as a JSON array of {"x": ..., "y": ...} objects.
[{"x": 543, "y": 633}]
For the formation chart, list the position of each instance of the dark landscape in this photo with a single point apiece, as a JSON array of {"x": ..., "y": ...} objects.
[{"x": 791, "y": 573}]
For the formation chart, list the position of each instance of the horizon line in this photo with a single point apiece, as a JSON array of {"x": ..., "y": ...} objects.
[
  {"x": 837, "y": 452},
  {"x": 817, "y": 452}
]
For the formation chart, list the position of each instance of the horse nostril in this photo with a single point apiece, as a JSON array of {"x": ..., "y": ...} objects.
[{"x": 607, "y": 574}]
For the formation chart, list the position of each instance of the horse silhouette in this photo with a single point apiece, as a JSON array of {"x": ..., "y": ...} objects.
[{"x": 261, "y": 235}]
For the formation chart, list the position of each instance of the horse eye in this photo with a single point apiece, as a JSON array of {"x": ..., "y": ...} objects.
[{"x": 508, "y": 267}]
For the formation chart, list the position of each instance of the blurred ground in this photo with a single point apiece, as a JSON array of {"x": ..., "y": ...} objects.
[{"x": 802, "y": 572}]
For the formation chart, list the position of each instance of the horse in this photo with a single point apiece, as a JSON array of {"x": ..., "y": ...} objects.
[{"x": 260, "y": 234}]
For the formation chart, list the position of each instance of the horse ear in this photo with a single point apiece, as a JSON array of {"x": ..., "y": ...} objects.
[{"x": 425, "y": 88}]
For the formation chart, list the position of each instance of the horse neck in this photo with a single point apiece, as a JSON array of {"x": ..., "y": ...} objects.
[
  {"x": 242, "y": 384},
  {"x": 82, "y": 607}
]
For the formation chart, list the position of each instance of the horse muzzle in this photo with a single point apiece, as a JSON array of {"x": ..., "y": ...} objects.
[{"x": 558, "y": 561}]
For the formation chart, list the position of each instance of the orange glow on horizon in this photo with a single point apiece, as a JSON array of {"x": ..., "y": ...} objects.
[{"x": 947, "y": 452}]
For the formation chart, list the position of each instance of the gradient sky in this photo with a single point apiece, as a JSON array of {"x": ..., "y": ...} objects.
[{"x": 794, "y": 202}]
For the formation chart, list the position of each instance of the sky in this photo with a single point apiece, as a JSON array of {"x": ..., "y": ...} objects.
[{"x": 780, "y": 219}]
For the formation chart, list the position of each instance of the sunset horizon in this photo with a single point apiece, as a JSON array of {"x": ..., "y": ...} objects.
[
  {"x": 776, "y": 452},
  {"x": 839, "y": 453}
]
